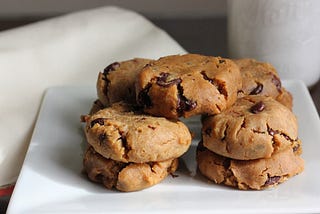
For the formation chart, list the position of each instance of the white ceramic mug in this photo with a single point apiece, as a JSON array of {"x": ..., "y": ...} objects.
[{"x": 285, "y": 33}]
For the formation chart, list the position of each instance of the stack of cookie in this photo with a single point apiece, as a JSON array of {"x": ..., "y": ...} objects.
[
  {"x": 127, "y": 149},
  {"x": 253, "y": 144},
  {"x": 135, "y": 135}
]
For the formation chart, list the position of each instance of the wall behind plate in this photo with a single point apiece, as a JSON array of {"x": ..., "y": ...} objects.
[{"x": 150, "y": 8}]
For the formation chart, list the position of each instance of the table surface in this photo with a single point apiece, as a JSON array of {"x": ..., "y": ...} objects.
[{"x": 206, "y": 36}]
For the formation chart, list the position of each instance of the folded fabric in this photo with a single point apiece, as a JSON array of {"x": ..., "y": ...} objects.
[{"x": 67, "y": 50}]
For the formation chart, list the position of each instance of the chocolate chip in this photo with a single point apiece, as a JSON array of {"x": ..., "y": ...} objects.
[
  {"x": 222, "y": 61},
  {"x": 208, "y": 131},
  {"x": 189, "y": 105},
  {"x": 276, "y": 81},
  {"x": 258, "y": 107},
  {"x": 98, "y": 178},
  {"x": 143, "y": 97},
  {"x": 102, "y": 137},
  {"x": 272, "y": 180},
  {"x": 226, "y": 163},
  {"x": 220, "y": 87},
  {"x": 184, "y": 104},
  {"x": 205, "y": 76},
  {"x": 295, "y": 148},
  {"x": 100, "y": 121},
  {"x": 257, "y": 90},
  {"x": 163, "y": 81},
  {"x": 272, "y": 132},
  {"x": 124, "y": 141},
  {"x": 151, "y": 127},
  {"x": 286, "y": 137},
  {"x": 111, "y": 67}
]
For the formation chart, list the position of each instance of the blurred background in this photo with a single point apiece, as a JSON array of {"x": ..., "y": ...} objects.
[{"x": 198, "y": 25}]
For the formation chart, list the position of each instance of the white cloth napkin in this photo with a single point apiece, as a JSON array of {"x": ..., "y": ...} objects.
[{"x": 70, "y": 49}]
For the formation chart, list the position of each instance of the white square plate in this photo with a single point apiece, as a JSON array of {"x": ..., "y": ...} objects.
[{"x": 51, "y": 181}]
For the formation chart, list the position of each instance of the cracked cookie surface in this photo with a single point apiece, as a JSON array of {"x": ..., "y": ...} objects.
[
  {"x": 261, "y": 78},
  {"x": 117, "y": 81},
  {"x": 123, "y": 135},
  {"x": 254, "y": 127},
  {"x": 249, "y": 174},
  {"x": 187, "y": 85},
  {"x": 119, "y": 175}
]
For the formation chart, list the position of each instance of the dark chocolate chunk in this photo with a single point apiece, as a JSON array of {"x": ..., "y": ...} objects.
[
  {"x": 163, "y": 81},
  {"x": 208, "y": 131},
  {"x": 272, "y": 180},
  {"x": 272, "y": 132},
  {"x": 226, "y": 163},
  {"x": 258, "y": 107},
  {"x": 184, "y": 104},
  {"x": 257, "y": 90},
  {"x": 124, "y": 141},
  {"x": 143, "y": 97},
  {"x": 205, "y": 76},
  {"x": 111, "y": 67},
  {"x": 276, "y": 81},
  {"x": 151, "y": 127},
  {"x": 295, "y": 148},
  {"x": 102, "y": 137},
  {"x": 100, "y": 121},
  {"x": 220, "y": 87}
]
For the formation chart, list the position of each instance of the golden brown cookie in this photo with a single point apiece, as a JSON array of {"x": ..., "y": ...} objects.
[
  {"x": 117, "y": 81},
  {"x": 261, "y": 78},
  {"x": 254, "y": 127},
  {"x": 123, "y": 135},
  {"x": 285, "y": 98},
  {"x": 187, "y": 85},
  {"x": 249, "y": 174},
  {"x": 126, "y": 177}
]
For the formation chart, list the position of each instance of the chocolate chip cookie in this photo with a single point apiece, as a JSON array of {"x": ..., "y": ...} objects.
[
  {"x": 254, "y": 127},
  {"x": 187, "y": 85},
  {"x": 120, "y": 133},
  {"x": 117, "y": 81},
  {"x": 126, "y": 177},
  {"x": 261, "y": 78},
  {"x": 285, "y": 98},
  {"x": 249, "y": 174}
]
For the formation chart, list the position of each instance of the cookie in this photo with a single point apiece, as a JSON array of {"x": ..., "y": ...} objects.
[
  {"x": 249, "y": 174},
  {"x": 261, "y": 78},
  {"x": 187, "y": 85},
  {"x": 285, "y": 98},
  {"x": 254, "y": 127},
  {"x": 115, "y": 174},
  {"x": 117, "y": 81},
  {"x": 123, "y": 135}
]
